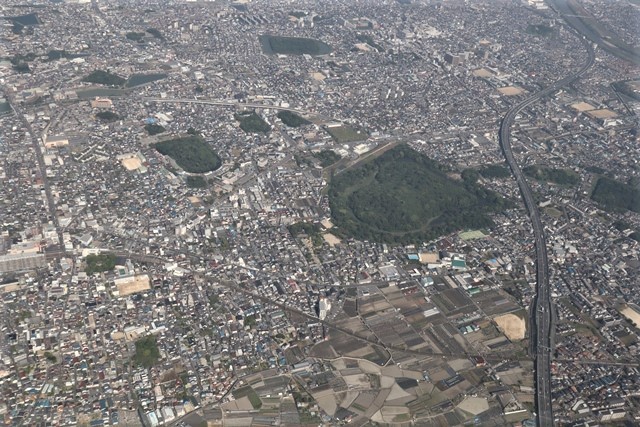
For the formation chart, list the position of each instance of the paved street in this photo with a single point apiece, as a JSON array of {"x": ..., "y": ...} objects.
[{"x": 542, "y": 318}]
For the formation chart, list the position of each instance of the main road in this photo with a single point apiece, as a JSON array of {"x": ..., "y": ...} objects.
[
  {"x": 542, "y": 330},
  {"x": 42, "y": 169}
]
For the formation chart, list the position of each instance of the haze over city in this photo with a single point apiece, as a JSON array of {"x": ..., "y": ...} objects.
[{"x": 298, "y": 213}]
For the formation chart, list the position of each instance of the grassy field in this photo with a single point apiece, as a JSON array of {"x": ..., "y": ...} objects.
[
  {"x": 250, "y": 393},
  {"x": 556, "y": 176},
  {"x": 343, "y": 134},
  {"x": 553, "y": 212},
  {"x": 472, "y": 235}
]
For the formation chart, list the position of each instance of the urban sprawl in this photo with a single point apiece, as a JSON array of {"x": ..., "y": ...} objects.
[{"x": 300, "y": 213}]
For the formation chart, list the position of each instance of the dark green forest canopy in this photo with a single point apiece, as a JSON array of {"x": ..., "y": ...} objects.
[
  {"x": 147, "y": 352},
  {"x": 292, "y": 119},
  {"x": 404, "y": 197},
  {"x": 104, "y": 78},
  {"x": 272, "y": 45},
  {"x": 327, "y": 157},
  {"x": 252, "y": 123},
  {"x": 615, "y": 195},
  {"x": 100, "y": 263},
  {"x": 191, "y": 153}
]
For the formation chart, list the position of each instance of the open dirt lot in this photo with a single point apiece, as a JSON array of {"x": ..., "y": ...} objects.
[
  {"x": 132, "y": 163},
  {"x": 331, "y": 239},
  {"x": 582, "y": 106},
  {"x": 482, "y": 72},
  {"x": 510, "y": 90},
  {"x": 632, "y": 315},
  {"x": 512, "y": 326},
  {"x": 602, "y": 114},
  {"x": 474, "y": 405},
  {"x": 136, "y": 284}
]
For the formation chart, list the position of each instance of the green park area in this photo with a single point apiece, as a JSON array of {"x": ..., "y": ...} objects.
[
  {"x": 312, "y": 231},
  {"x": 107, "y": 116},
  {"x": 277, "y": 45},
  {"x": 196, "y": 182},
  {"x": 343, "y": 134},
  {"x": 404, "y": 197},
  {"x": 147, "y": 353},
  {"x": 539, "y": 29},
  {"x": 252, "y": 123},
  {"x": 615, "y": 195},
  {"x": 141, "y": 79},
  {"x": 99, "y": 263},
  {"x": 104, "y": 78},
  {"x": 154, "y": 129},
  {"x": 191, "y": 153},
  {"x": 494, "y": 171},
  {"x": 327, "y": 157},
  {"x": 135, "y": 36},
  {"x": 5, "y": 107},
  {"x": 292, "y": 119},
  {"x": 155, "y": 33},
  {"x": 556, "y": 176}
]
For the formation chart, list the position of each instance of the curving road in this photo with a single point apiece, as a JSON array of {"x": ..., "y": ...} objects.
[
  {"x": 542, "y": 318},
  {"x": 586, "y": 24}
]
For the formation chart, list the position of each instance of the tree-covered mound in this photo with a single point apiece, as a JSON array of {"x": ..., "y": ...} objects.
[
  {"x": 615, "y": 195},
  {"x": 403, "y": 196},
  {"x": 273, "y": 45},
  {"x": 252, "y": 123},
  {"x": 191, "y": 153},
  {"x": 100, "y": 263},
  {"x": 292, "y": 119},
  {"x": 104, "y": 78}
]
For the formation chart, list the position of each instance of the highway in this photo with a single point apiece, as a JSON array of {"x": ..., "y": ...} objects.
[
  {"x": 587, "y": 25},
  {"x": 542, "y": 324}
]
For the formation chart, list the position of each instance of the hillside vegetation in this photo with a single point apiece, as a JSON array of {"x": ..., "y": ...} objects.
[
  {"x": 615, "y": 195},
  {"x": 403, "y": 196},
  {"x": 104, "y": 78},
  {"x": 557, "y": 176},
  {"x": 292, "y": 119},
  {"x": 191, "y": 153}
]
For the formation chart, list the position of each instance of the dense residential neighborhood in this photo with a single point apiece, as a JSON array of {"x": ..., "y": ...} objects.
[{"x": 170, "y": 250}]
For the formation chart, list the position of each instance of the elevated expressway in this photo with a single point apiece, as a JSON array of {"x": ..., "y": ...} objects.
[{"x": 542, "y": 327}]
